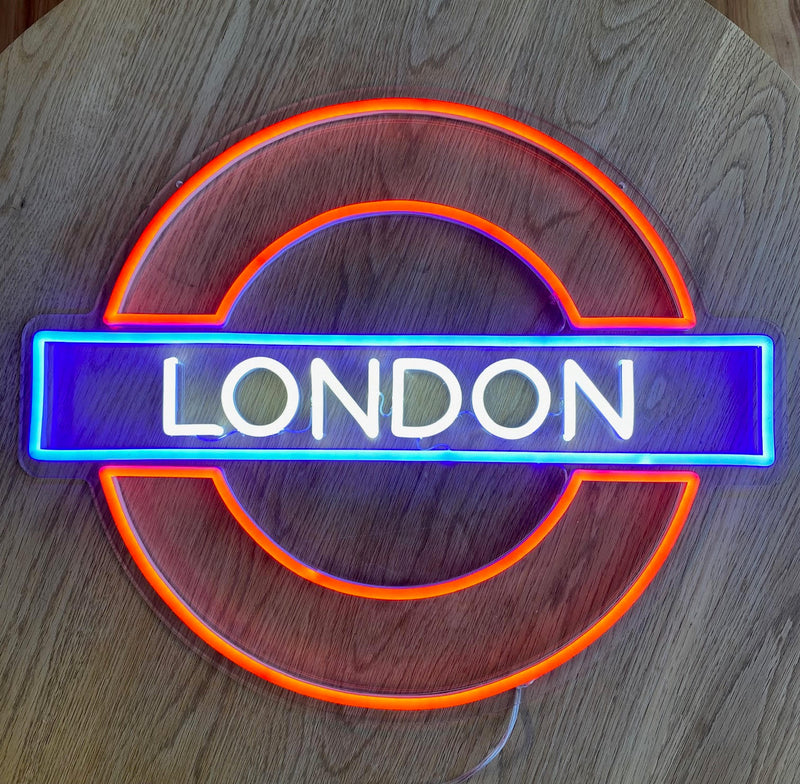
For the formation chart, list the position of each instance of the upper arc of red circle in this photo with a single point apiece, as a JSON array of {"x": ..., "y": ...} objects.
[{"x": 589, "y": 172}]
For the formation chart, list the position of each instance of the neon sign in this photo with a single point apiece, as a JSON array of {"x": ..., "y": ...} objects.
[
  {"x": 175, "y": 398},
  {"x": 722, "y": 417}
]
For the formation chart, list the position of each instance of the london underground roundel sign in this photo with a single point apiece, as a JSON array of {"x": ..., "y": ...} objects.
[{"x": 188, "y": 402}]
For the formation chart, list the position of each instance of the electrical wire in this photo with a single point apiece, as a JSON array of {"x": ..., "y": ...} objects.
[{"x": 512, "y": 720}]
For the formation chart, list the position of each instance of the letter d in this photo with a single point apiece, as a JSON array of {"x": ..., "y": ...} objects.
[{"x": 399, "y": 369}]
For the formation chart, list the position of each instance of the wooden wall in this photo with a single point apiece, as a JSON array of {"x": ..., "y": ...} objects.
[{"x": 106, "y": 106}]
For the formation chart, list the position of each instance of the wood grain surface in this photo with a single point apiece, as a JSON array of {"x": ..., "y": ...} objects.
[{"x": 106, "y": 104}]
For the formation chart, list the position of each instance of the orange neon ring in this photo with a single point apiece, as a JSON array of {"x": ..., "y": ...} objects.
[
  {"x": 577, "y": 163},
  {"x": 588, "y": 171},
  {"x": 109, "y": 474}
]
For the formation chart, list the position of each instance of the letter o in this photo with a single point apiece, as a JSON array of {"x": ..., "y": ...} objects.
[
  {"x": 542, "y": 391},
  {"x": 229, "y": 397}
]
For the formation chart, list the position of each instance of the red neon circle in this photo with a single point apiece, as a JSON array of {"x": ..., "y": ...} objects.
[
  {"x": 626, "y": 208},
  {"x": 588, "y": 171}
]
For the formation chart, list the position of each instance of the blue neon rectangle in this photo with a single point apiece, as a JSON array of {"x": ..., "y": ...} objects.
[{"x": 41, "y": 387}]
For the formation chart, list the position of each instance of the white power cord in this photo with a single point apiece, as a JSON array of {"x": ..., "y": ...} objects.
[{"x": 512, "y": 720}]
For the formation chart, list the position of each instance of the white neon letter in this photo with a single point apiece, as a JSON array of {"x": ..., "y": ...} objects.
[
  {"x": 322, "y": 376},
  {"x": 169, "y": 408},
  {"x": 542, "y": 392},
  {"x": 399, "y": 370},
  {"x": 229, "y": 397},
  {"x": 574, "y": 377}
]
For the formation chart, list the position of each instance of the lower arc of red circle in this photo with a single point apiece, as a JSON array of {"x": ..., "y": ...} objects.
[
  {"x": 109, "y": 475},
  {"x": 393, "y": 592}
]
